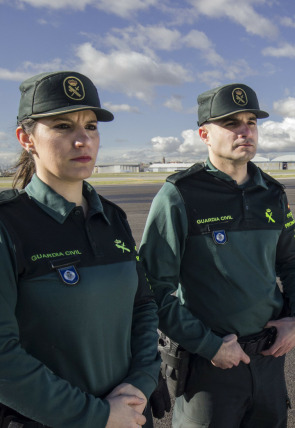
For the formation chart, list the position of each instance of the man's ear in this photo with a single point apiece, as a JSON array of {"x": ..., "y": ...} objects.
[
  {"x": 24, "y": 139},
  {"x": 204, "y": 134}
]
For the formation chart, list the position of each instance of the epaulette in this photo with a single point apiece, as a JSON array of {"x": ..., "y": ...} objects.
[
  {"x": 108, "y": 202},
  {"x": 270, "y": 179},
  {"x": 197, "y": 167},
  {"x": 9, "y": 195}
]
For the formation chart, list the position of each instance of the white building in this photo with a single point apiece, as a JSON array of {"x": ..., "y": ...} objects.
[
  {"x": 117, "y": 168},
  {"x": 168, "y": 167}
]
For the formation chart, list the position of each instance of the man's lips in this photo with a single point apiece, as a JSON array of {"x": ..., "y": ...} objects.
[{"x": 245, "y": 144}]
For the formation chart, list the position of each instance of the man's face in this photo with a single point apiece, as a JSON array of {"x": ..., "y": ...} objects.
[{"x": 232, "y": 139}]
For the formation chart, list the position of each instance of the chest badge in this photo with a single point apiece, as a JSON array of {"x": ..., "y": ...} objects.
[
  {"x": 268, "y": 215},
  {"x": 219, "y": 237},
  {"x": 69, "y": 275}
]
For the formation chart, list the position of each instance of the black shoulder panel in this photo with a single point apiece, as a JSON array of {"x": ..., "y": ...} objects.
[
  {"x": 270, "y": 179},
  {"x": 106, "y": 202},
  {"x": 186, "y": 173},
  {"x": 8, "y": 195}
]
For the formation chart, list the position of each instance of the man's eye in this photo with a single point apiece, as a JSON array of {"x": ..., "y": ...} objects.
[{"x": 91, "y": 127}]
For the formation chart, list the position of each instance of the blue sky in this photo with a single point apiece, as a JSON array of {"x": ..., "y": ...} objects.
[{"x": 149, "y": 60}]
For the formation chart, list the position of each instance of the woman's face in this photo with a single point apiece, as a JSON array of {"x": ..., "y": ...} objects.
[{"x": 65, "y": 146}]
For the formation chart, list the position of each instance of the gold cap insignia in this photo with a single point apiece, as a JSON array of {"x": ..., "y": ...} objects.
[
  {"x": 74, "y": 88},
  {"x": 240, "y": 97}
]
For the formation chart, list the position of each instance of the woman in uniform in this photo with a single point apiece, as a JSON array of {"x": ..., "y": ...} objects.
[{"x": 78, "y": 323}]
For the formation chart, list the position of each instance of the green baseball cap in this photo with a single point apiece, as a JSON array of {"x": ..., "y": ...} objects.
[
  {"x": 227, "y": 100},
  {"x": 50, "y": 94}
]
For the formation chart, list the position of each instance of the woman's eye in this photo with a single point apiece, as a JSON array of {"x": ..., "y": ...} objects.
[{"x": 62, "y": 126}]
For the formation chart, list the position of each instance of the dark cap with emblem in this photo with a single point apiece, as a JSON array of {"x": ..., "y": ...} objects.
[
  {"x": 227, "y": 100},
  {"x": 50, "y": 94}
]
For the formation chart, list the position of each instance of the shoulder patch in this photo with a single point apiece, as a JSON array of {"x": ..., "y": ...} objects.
[
  {"x": 8, "y": 195},
  {"x": 197, "y": 167}
]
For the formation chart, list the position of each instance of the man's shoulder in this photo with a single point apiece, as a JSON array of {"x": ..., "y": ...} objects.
[
  {"x": 194, "y": 169},
  {"x": 269, "y": 179}
]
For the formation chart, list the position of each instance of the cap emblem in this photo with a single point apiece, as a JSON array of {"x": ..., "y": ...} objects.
[
  {"x": 240, "y": 97},
  {"x": 74, "y": 88}
]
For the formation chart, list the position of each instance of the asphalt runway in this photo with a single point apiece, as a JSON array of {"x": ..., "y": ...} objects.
[{"x": 135, "y": 201}]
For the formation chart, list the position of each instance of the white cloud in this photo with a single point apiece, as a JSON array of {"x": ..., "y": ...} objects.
[
  {"x": 153, "y": 38},
  {"x": 285, "y": 107},
  {"x": 235, "y": 70},
  {"x": 132, "y": 73},
  {"x": 277, "y": 136},
  {"x": 28, "y": 69},
  {"x": 120, "y": 108},
  {"x": 190, "y": 146},
  {"x": 9, "y": 150},
  {"x": 199, "y": 40},
  {"x": 284, "y": 50},
  {"x": 118, "y": 7},
  {"x": 174, "y": 103},
  {"x": 165, "y": 145},
  {"x": 13, "y": 75},
  {"x": 240, "y": 11},
  {"x": 286, "y": 21},
  {"x": 192, "y": 143}
]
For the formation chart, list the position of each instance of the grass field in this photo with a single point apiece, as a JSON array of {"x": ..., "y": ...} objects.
[{"x": 139, "y": 178}]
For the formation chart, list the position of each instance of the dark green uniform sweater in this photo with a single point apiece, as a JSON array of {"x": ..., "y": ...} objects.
[
  {"x": 76, "y": 315},
  {"x": 219, "y": 247}
]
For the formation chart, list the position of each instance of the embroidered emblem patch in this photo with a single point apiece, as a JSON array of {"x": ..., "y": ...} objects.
[
  {"x": 74, "y": 88},
  {"x": 240, "y": 97},
  {"x": 69, "y": 275},
  {"x": 119, "y": 244},
  {"x": 219, "y": 237},
  {"x": 268, "y": 215}
]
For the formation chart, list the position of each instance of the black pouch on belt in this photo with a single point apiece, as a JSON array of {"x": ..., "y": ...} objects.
[
  {"x": 12, "y": 419},
  {"x": 175, "y": 365},
  {"x": 256, "y": 343}
]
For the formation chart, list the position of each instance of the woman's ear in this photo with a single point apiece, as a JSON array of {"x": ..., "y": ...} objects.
[{"x": 24, "y": 139}]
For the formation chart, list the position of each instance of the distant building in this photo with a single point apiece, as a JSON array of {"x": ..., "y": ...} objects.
[
  {"x": 168, "y": 167},
  {"x": 284, "y": 162},
  {"x": 117, "y": 168}
]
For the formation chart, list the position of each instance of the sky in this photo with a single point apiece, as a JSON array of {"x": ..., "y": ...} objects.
[{"x": 149, "y": 60}]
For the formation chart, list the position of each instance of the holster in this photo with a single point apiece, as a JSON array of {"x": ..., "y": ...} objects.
[
  {"x": 174, "y": 366},
  {"x": 12, "y": 419},
  {"x": 256, "y": 343}
]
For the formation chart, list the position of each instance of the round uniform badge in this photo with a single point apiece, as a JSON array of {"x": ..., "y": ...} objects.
[
  {"x": 69, "y": 275},
  {"x": 74, "y": 88},
  {"x": 240, "y": 97},
  {"x": 219, "y": 237}
]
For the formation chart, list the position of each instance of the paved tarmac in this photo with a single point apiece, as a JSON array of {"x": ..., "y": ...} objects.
[{"x": 136, "y": 200}]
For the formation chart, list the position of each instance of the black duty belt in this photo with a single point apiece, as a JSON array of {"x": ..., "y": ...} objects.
[
  {"x": 11, "y": 419},
  {"x": 256, "y": 343}
]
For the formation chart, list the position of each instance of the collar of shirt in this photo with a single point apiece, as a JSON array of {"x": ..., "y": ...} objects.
[
  {"x": 56, "y": 205},
  {"x": 256, "y": 178}
]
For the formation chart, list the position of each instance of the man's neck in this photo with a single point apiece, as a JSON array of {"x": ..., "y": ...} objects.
[{"x": 238, "y": 172}]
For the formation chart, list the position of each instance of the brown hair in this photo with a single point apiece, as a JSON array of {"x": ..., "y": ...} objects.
[{"x": 25, "y": 166}]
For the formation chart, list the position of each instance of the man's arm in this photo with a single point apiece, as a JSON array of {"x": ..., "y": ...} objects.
[
  {"x": 285, "y": 266},
  {"x": 162, "y": 248}
]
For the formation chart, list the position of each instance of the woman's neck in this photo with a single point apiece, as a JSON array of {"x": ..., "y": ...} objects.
[{"x": 71, "y": 191}]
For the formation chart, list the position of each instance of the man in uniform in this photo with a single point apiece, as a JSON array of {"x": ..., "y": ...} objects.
[{"x": 217, "y": 237}]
